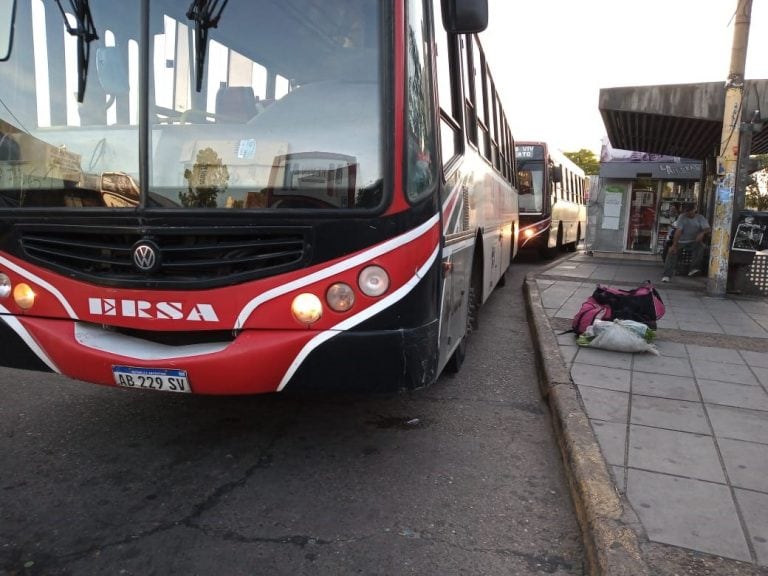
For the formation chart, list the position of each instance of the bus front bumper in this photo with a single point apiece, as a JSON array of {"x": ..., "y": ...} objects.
[{"x": 254, "y": 362}]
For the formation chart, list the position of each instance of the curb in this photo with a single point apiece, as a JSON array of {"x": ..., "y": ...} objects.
[{"x": 610, "y": 544}]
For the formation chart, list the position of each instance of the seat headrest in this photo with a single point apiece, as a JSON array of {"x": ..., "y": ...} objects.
[{"x": 235, "y": 104}]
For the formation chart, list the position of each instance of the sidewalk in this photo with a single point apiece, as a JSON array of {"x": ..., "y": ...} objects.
[{"x": 668, "y": 454}]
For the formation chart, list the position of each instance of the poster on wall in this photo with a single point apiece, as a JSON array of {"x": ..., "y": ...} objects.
[
  {"x": 614, "y": 196},
  {"x": 610, "y": 223}
]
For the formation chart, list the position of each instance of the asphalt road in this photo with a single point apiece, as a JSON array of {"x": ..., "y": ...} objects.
[{"x": 463, "y": 477}]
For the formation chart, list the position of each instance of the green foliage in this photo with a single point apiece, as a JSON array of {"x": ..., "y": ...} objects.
[
  {"x": 754, "y": 197},
  {"x": 584, "y": 340},
  {"x": 586, "y": 160},
  {"x": 756, "y": 188},
  {"x": 761, "y": 160}
]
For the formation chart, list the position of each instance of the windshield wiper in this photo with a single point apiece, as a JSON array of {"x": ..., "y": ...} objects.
[
  {"x": 86, "y": 33},
  {"x": 205, "y": 14}
]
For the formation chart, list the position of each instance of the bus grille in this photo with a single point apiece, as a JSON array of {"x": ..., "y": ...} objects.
[{"x": 189, "y": 257}]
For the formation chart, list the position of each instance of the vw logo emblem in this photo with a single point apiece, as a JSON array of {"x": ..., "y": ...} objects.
[{"x": 146, "y": 257}]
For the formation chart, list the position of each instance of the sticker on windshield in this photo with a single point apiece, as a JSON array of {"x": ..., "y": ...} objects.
[{"x": 247, "y": 149}]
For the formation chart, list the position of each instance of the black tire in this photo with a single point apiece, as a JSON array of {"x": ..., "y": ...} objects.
[
  {"x": 473, "y": 305},
  {"x": 571, "y": 246},
  {"x": 502, "y": 279},
  {"x": 457, "y": 358}
]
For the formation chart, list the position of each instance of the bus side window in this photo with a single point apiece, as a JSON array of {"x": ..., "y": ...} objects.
[
  {"x": 449, "y": 99},
  {"x": 420, "y": 127}
]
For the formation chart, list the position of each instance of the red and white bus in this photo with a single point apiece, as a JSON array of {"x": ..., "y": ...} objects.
[
  {"x": 243, "y": 197},
  {"x": 553, "y": 199}
]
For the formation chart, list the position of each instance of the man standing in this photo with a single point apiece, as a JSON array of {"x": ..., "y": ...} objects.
[{"x": 690, "y": 231}]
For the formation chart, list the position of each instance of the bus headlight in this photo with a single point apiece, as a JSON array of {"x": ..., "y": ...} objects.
[
  {"x": 24, "y": 296},
  {"x": 5, "y": 285},
  {"x": 340, "y": 297},
  {"x": 307, "y": 308},
  {"x": 373, "y": 281},
  {"x": 528, "y": 232}
]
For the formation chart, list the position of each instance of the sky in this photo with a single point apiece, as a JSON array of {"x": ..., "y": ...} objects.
[{"x": 550, "y": 58}]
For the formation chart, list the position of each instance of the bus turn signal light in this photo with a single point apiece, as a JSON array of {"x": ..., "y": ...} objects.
[
  {"x": 307, "y": 308},
  {"x": 340, "y": 297},
  {"x": 24, "y": 296}
]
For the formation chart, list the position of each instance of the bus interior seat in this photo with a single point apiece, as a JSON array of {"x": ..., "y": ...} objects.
[{"x": 235, "y": 104}]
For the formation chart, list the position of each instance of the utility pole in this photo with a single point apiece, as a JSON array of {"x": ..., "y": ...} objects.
[{"x": 717, "y": 277}]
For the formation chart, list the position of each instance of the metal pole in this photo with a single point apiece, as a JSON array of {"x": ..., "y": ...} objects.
[{"x": 717, "y": 277}]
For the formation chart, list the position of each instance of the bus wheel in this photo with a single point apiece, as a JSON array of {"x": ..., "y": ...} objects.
[
  {"x": 573, "y": 245},
  {"x": 457, "y": 359},
  {"x": 502, "y": 279},
  {"x": 473, "y": 305}
]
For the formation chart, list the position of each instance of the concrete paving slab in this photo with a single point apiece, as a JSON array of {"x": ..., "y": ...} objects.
[
  {"x": 663, "y": 365},
  {"x": 669, "y": 322},
  {"x": 566, "y": 339},
  {"x": 684, "y": 454},
  {"x": 746, "y": 463},
  {"x": 603, "y": 404},
  {"x": 612, "y": 437},
  {"x": 762, "y": 320},
  {"x": 754, "y": 506},
  {"x": 605, "y": 273},
  {"x": 739, "y": 423},
  {"x": 737, "y": 395},
  {"x": 750, "y": 328},
  {"x": 716, "y": 305},
  {"x": 710, "y": 354},
  {"x": 601, "y": 376},
  {"x": 684, "y": 302},
  {"x": 568, "y": 353},
  {"x": 669, "y": 414},
  {"x": 555, "y": 295},
  {"x": 665, "y": 386},
  {"x": 756, "y": 359},
  {"x": 739, "y": 374},
  {"x": 619, "y": 477},
  {"x": 688, "y": 513},
  {"x": 668, "y": 348},
  {"x": 762, "y": 375},
  {"x": 707, "y": 327},
  {"x": 607, "y": 358}
]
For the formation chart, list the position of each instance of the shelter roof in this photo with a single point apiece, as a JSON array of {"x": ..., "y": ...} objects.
[{"x": 683, "y": 120}]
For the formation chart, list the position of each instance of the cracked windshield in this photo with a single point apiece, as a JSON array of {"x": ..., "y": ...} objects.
[{"x": 233, "y": 104}]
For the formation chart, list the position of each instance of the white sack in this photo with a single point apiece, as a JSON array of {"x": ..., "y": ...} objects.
[{"x": 621, "y": 336}]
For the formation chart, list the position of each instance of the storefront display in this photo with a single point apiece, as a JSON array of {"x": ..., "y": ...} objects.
[{"x": 635, "y": 198}]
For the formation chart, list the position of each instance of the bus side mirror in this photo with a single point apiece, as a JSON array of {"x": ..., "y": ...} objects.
[
  {"x": 7, "y": 14},
  {"x": 557, "y": 174},
  {"x": 465, "y": 16}
]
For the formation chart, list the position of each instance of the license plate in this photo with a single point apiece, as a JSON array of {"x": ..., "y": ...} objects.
[{"x": 162, "y": 379}]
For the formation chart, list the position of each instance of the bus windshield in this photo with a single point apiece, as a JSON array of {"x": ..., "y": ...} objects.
[
  {"x": 530, "y": 176},
  {"x": 275, "y": 104}
]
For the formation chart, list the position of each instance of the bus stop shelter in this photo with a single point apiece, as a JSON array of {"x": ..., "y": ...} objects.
[
  {"x": 686, "y": 121},
  {"x": 682, "y": 120}
]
